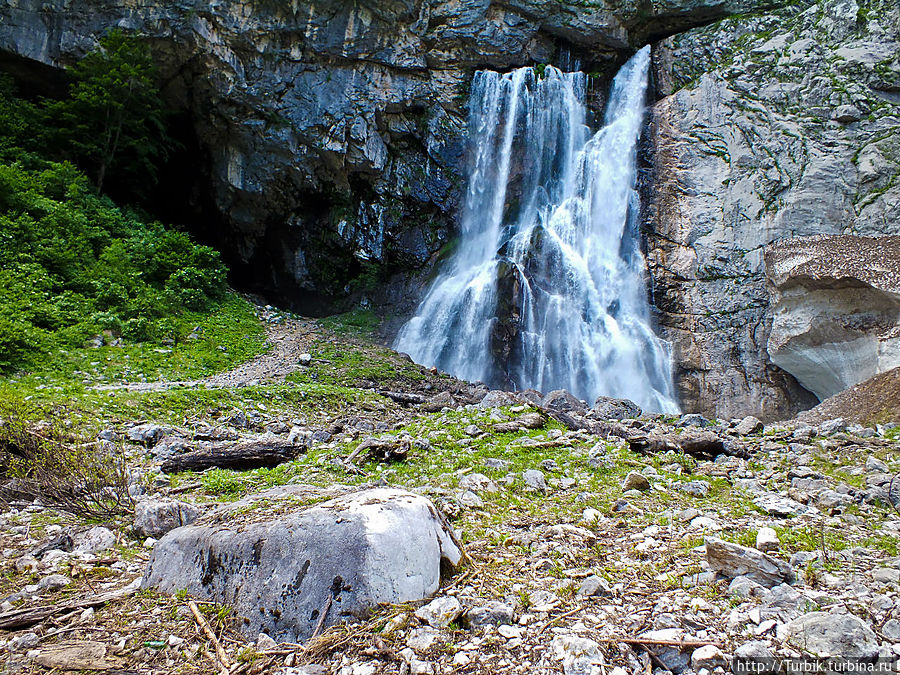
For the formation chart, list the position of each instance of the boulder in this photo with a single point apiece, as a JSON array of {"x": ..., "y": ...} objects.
[
  {"x": 734, "y": 560},
  {"x": 155, "y": 517},
  {"x": 280, "y": 565},
  {"x": 607, "y": 408},
  {"x": 561, "y": 400},
  {"x": 635, "y": 481},
  {"x": 832, "y": 635}
]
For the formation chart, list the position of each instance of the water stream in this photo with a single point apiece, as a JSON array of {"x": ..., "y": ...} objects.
[{"x": 547, "y": 287}]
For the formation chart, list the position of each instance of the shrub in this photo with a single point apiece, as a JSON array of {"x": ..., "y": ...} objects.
[{"x": 46, "y": 462}]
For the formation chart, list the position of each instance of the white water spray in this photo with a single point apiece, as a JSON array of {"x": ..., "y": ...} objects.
[{"x": 547, "y": 288}]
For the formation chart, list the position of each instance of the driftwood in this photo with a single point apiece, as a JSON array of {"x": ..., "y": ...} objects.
[
  {"x": 221, "y": 656},
  {"x": 382, "y": 449},
  {"x": 240, "y": 456},
  {"x": 403, "y": 397},
  {"x": 28, "y": 616},
  {"x": 703, "y": 444}
]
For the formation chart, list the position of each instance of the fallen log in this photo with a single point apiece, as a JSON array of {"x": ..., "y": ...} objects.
[
  {"x": 702, "y": 444},
  {"x": 17, "y": 619},
  {"x": 381, "y": 449},
  {"x": 239, "y": 456},
  {"x": 403, "y": 397}
]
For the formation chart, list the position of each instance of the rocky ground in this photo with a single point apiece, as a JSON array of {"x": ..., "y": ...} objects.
[{"x": 596, "y": 540}]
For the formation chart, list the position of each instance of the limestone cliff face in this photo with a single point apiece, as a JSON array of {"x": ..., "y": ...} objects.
[
  {"x": 771, "y": 126},
  {"x": 330, "y": 134}
]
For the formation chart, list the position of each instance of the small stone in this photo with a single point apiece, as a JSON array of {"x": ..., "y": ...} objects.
[
  {"x": 87, "y": 615},
  {"x": 692, "y": 420},
  {"x": 767, "y": 540},
  {"x": 709, "y": 657},
  {"x": 156, "y": 517},
  {"x": 734, "y": 560},
  {"x": 471, "y": 500},
  {"x": 832, "y": 426},
  {"x": 478, "y": 482},
  {"x": 635, "y": 481},
  {"x": 744, "y": 587},
  {"x": 265, "y": 643},
  {"x": 534, "y": 480},
  {"x": 95, "y": 540},
  {"x": 175, "y": 641},
  {"x": 304, "y": 359},
  {"x": 497, "y": 464},
  {"x": 695, "y": 488},
  {"x": 472, "y": 430},
  {"x": 886, "y": 575},
  {"x": 687, "y": 515},
  {"x": 490, "y": 614},
  {"x": 846, "y": 114},
  {"x": 832, "y": 635},
  {"x": 749, "y": 425},
  {"x": 592, "y": 587},
  {"x": 510, "y": 632},
  {"x": 875, "y": 465},
  {"x": 22, "y": 643},
  {"x": 591, "y": 516},
  {"x": 53, "y": 582},
  {"x": 891, "y": 630},
  {"x": 440, "y": 612}
]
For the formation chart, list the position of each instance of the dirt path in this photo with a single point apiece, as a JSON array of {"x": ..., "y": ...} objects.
[{"x": 288, "y": 340}]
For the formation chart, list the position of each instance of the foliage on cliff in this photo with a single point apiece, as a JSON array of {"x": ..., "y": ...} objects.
[{"x": 72, "y": 264}]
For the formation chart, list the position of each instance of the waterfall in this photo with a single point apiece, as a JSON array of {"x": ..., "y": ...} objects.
[{"x": 547, "y": 286}]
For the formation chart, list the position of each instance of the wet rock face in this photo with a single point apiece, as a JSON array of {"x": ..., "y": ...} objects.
[
  {"x": 836, "y": 319},
  {"x": 330, "y": 135},
  {"x": 754, "y": 141}
]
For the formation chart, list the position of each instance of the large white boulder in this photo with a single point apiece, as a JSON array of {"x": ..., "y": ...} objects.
[{"x": 277, "y": 563}]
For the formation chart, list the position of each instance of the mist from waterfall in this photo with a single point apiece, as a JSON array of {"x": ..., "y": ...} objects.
[{"x": 547, "y": 287}]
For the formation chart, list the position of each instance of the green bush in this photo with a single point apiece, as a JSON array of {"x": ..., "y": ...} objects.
[{"x": 73, "y": 265}]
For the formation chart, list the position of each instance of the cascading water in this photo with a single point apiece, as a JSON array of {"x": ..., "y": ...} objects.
[{"x": 546, "y": 289}]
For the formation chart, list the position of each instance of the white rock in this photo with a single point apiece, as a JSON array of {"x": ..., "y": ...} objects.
[
  {"x": 709, "y": 657},
  {"x": 440, "y": 612},
  {"x": 386, "y": 545},
  {"x": 95, "y": 540},
  {"x": 767, "y": 540}
]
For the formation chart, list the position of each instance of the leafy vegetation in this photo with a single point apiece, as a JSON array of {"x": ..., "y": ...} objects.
[{"x": 75, "y": 268}]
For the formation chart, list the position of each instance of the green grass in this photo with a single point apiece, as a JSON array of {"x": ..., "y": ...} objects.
[{"x": 356, "y": 363}]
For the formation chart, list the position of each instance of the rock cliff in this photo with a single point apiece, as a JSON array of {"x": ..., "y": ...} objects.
[
  {"x": 329, "y": 136},
  {"x": 771, "y": 126}
]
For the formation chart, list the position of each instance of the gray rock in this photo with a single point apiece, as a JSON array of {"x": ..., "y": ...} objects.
[
  {"x": 497, "y": 464},
  {"x": 891, "y": 630},
  {"x": 695, "y": 488},
  {"x": 744, "y": 587},
  {"x": 440, "y": 612},
  {"x": 490, "y": 614},
  {"x": 497, "y": 399},
  {"x": 534, "y": 480},
  {"x": 607, "y": 408},
  {"x": 776, "y": 504},
  {"x": 875, "y": 465},
  {"x": 95, "y": 540},
  {"x": 832, "y": 635},
  {"x": 886, "y": 575},
  {"x": 304, "y": 359},
  {"x": 155, "y": 517},
  {"x": 831, "y": 500},
  {"x": 749, "y": 425},
  {"x": 832, "y": 426},
  {"x": 147, "y": 434},
  {"x": 709, "y": 657},
  {"x": 692, "y": 420},
  {"x": 671, "y": 657},
  {"x": 734, "y": 560},
  {"x": 635, "y": 481},
  {"x": 592, "y": 587},
  {"x": 280, "y": 566},
  {"x": 755, "y": 657},
  {"x": 53, "y": 582},
  {"x": 562, "y": 401}
]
